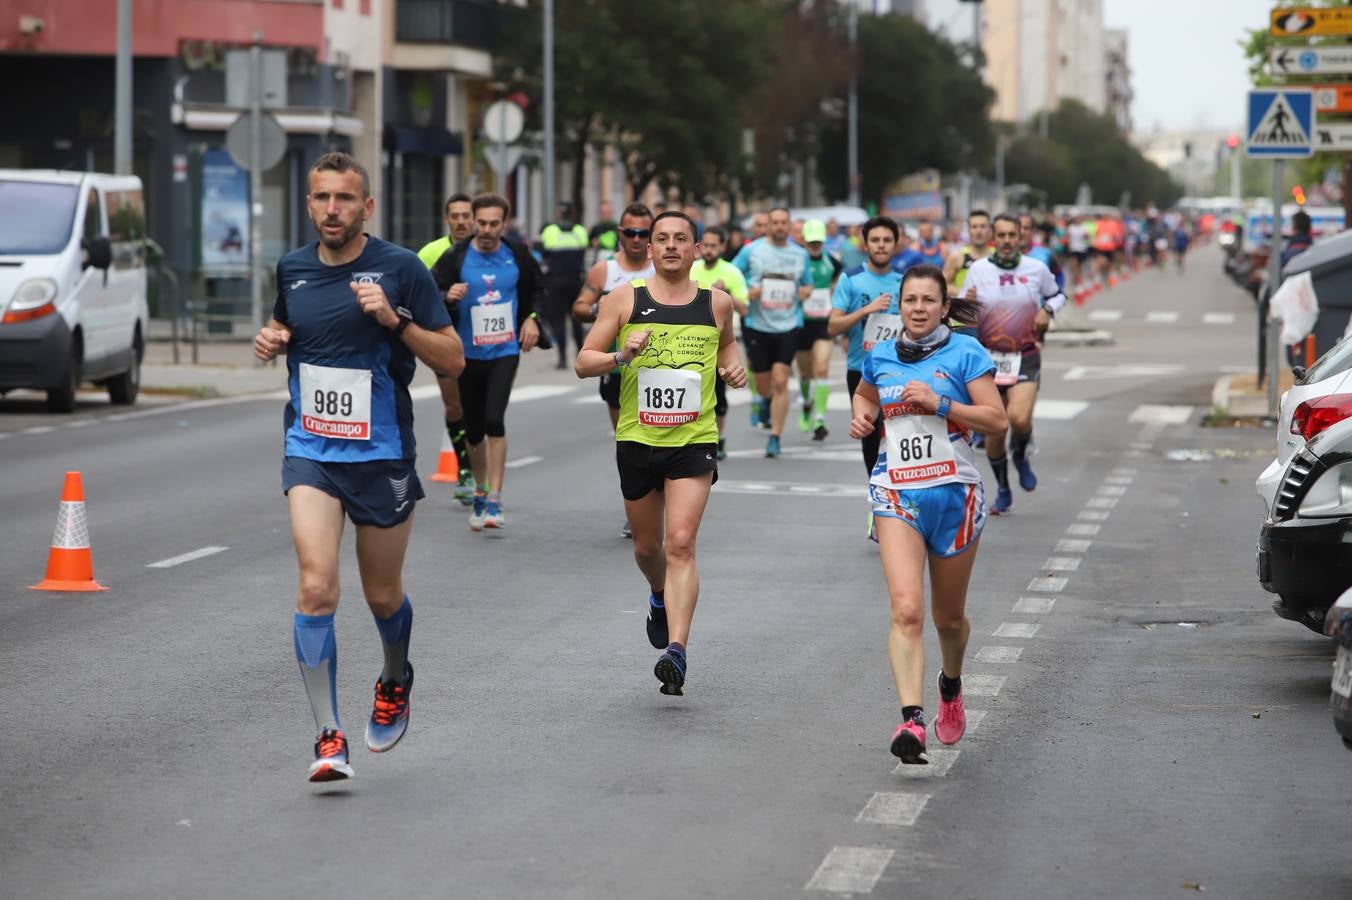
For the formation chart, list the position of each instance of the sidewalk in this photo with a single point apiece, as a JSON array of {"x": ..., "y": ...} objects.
[{"x": 1242, "y": 395}]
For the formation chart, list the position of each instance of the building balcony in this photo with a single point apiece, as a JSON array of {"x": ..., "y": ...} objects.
[{"x": 468, "y": 23}]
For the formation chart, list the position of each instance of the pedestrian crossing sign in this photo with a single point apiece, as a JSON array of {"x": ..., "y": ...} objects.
[{"x": 1281, "y": 123}]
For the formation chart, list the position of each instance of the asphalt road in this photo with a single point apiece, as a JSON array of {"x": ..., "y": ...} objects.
[{"x": 1144, "y": 726}]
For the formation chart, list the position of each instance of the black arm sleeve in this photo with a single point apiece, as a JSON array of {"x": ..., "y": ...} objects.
[
  {"x": 279, "y": 305},
  {"x": 446, "y": 270}
]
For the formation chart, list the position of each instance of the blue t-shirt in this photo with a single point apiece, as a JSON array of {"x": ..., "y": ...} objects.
[
  {"x": 492, "y": 279},
  {"x": 761, "y": 258},
  {"x": 1045, "y": 256},
  {"x": 855, "y": 289},
  {"x": 342, "y": 356},
  {"x": 907, "y": 258},
  {"x": 948, "y": 371}
]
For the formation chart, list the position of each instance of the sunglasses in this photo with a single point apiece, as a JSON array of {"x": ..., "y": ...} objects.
[{"x": 635, "y": 232}]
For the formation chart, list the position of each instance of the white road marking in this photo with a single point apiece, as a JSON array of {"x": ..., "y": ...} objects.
[
  {"x": 1051, "y": 584},
  {"x": 186, "y": 557},
  {"x": 974, "y": 717},
  {"x": 1112, "y": 490},
  {"x": 522, "y": 462},
  {"x": 529, "y": 392},
  {"x": 1070, "y": 545},
  {"x": 1161, "y": 318},
  {"x": 793, "y": 489},
  {"x": 982, "y": 685},
  {"x": 1058, "y": 410},
  {"x": 1119, "y": 479},
  {"x": 1034, "y": 606},
  {"x": 1105, "y": 315},
  {"x": 1061, "y": 563},
  {"x": 1123, "y": 471},
  {"x": 1101, "y": 502},
  {"x": 1082, "y": 528},
  {"x": 1218, "y": 318},
  {"x": 1003, "y": 655},
  {"x": 1093, "y": 515},
  {"x": 1157, "y": 414},
  {"x": 892, "y": 808},
  {"x": 940, "y": 761},
  {"x": 1016, "y": 630},
  {"x": 38, "y": 429},
  {"x": 850, "y": 870},
  {"x": 1141, "y": 370}
]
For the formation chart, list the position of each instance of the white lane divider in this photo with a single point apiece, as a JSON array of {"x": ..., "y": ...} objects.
[
  {"x": 1218, "y": 318},
  {"x": 1155, "y": 414},
  {"x": 1105, "y": 315},
  {"x": 1051, "y": 584},
  {"x": 1093, "y": 515},
  {"x": 1058, "y": 410},
  {"x": 38, "y": 429},
  {"x": 1035, "y": 606},
  {"x": 1071, "y": 545},
  {"x": 1084, "y": 529},
  {"x": 893, "y": 808},
  {"x": 1161, "y": 318},
  {"x": 1112, "y": 490},
  {"x": 974, "y": 718},
  {"x": 1001, "y": 655},
  {"x": 1120, "y": 480},
  {"x": 186, "y": 557},
  {"x": 940, "y": 761},
  {"x": 850, "y": 870},
  {"x": 1062, "y": 563},
  {"x": 523, "y": 461},
  {"x": 1101, "y": 502},
  {"x": 1016, "y": 630},
  {"x": 982, "y": 685},
  {"x": 1122, "y": 470}
]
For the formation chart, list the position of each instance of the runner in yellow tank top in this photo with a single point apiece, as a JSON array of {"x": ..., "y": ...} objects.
[{"x": 675, "y": 339}]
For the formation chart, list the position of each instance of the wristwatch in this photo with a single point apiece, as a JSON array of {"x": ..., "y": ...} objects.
[
  {"x": 620, "y": 362},
  {"x": 405, "y": 319},
  {"x": 945, "y": 404}
]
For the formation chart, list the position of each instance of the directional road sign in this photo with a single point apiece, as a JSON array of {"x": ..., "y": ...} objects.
[
  {"x": 1280, "y": 123},
  {"x": 1333, "y": 137},
  {"x": 1330, "y": 98},
  {"x": 1308, "y": 22},
  {"x": 1310, "y": 60}
]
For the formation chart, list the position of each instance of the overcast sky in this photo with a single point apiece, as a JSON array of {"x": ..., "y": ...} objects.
[{"x": 1187, "y": 68}]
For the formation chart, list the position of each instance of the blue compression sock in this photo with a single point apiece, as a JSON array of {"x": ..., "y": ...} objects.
[
  {"x": 394, "y": 636},
  {"x": 317, "y": 654}
]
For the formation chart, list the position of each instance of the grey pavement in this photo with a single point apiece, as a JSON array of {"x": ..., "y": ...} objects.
[{"x": 1147, "y": 726}]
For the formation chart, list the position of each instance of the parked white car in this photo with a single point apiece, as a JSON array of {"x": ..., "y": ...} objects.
[
  {"x": 1321, "y": 397},
  {"x": 72, "y": 284}
]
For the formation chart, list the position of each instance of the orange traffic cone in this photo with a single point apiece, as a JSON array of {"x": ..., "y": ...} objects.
[
  {"x": 448, "y": 463},
  {"x": 70, "y": 564}
]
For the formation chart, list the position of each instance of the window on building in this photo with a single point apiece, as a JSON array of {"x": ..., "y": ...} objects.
[{"x": 93, "y": 223}]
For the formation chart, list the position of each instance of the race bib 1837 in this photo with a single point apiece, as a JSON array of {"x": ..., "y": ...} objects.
[{"x": 668, "y": 397}]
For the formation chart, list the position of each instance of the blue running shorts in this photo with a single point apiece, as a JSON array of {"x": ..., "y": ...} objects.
[
  {"x": 949, "y": 517},
  {"x": 381, "y": 492}
]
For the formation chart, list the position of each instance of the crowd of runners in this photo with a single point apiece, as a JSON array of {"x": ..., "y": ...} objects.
[{"x": 941, "y": 327}]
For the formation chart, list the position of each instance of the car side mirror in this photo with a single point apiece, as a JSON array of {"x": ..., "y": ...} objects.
[
  {"x": 98, "y": 252},
  {"x": 1299, "y": 373}
]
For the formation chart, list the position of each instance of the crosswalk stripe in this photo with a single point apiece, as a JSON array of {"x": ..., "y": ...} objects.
[
  {"x": 850, "y": 870},
  {"x": 1105, "y": 315},
  {"x": 1161, "y": 318}
]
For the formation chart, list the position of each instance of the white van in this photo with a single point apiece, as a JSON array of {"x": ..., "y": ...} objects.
[{"x": 72, "y": 284}]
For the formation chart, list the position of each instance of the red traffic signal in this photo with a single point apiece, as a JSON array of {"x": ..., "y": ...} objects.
[
  {"x": 1232, "y": 141},
  {"x": 1298, "y": 194}
]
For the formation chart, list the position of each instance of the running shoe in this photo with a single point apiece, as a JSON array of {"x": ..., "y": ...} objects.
[
  {"x": 464, "y": 488},
  {"x": 477, "y": 515},
  {"x": 908, "y": 743},
  {"x": 722, "y": 453},
  {"x": 626, "y": 532},
  {"x": 1004, "y": 499},
  {"x": 330, "y": 757},
  {"x": 820, "y": 432},
  {"x": 389, "y": 714},
  {"x": 657, "y": 626},
  {"x": 493, "y": 517},
  {"x": 670, "y": 670},
  {"x": 772, "y": 447},
  {"x": 1027, "y": 478},
  {"x": 951, "y": 723}
]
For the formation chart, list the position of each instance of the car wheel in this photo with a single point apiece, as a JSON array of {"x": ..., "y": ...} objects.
[
  {"x": 61, "y": 399},
  {"x": 122, "y": 389}
]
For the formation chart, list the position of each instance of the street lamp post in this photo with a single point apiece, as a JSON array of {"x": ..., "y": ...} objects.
[
  {"x": 122, "y": 92},
  {"x": 549, "y": 111}
]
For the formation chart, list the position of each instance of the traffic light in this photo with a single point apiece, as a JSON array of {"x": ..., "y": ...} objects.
[
  {"x": 1232, "y": 141},
  {"x": 1298, "y": 194}
]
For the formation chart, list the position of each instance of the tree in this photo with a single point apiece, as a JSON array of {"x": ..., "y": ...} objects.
[
  {"x": 920, "y": 106},
  {"x": 1100, "y": 156},
  {"x": 666, "y": 90}
]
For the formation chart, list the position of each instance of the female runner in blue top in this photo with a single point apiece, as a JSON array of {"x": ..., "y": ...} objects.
[{"x": 934, "y": 388}]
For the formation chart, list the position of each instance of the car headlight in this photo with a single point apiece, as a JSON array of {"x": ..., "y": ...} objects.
[
  {"x": 34, "y": 299},
  {"x": 1330, "y": 495}
]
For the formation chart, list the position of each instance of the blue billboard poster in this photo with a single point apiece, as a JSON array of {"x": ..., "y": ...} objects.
[{"x": 225, "y": 215}]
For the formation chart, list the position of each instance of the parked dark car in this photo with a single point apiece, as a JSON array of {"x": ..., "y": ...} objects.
[{"x": 1305, "y": 546}]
